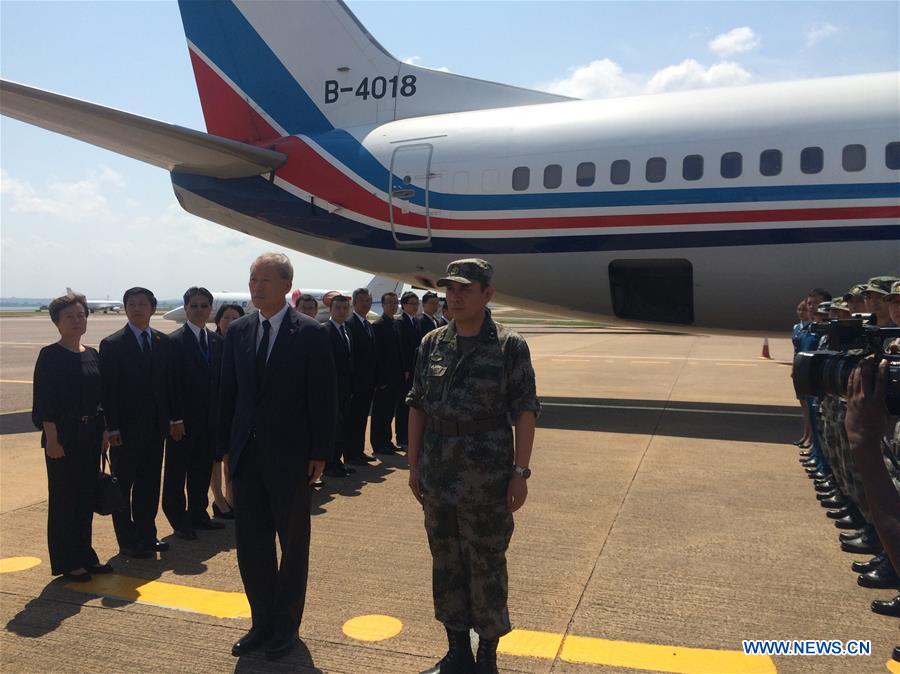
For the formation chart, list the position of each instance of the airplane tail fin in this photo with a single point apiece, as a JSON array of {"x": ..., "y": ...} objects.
[
  {"x": 269, "y": 68},
  {"x": 379, "y": 285},
  {"x": 69, "y": 291}
]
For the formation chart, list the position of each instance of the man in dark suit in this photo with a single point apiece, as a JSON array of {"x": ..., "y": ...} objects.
[
  {"x": 429, "y": 319},
  {"x": 410, "y": 336},
  {"x": 141, "y": 408},
  {"x": 342, "y": 348},
  {"x": 197, "y": 360},
  {"x": 276, "y": 422},
  {"x": 388, "y": 376},
  {"x": 363, "y": 387}
]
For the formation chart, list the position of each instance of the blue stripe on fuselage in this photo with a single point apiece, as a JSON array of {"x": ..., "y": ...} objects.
[{"x": 258, "y": 198}]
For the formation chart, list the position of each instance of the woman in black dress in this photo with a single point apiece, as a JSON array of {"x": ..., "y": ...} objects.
[{"x": 67, "y": 409}]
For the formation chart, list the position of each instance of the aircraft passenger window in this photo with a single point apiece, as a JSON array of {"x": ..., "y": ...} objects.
[
  {"x": 892, "y": 155},
  {"x": 620, "y": 172},
  {"x": 585, "y": 174},
  {"x": 692, "y": 167},
  {"x": 521, "y": 178},
  {"x": 812, "y": 159},
  {"x": 656, "y": 170},
  {"x": 854, "y": 157},
  {"x": 552, "y": 176},
  {"x": 732, "y": 165},
  {"x": 770, "y": 162}
]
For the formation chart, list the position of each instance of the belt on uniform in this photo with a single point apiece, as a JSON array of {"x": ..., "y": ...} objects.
[
  {"x": 86, "y": 419},
  {"x": 446, "y": 427}
]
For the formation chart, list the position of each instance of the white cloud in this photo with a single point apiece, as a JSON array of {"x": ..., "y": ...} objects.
[
  {"x": 689, "y": 74},
  {"x": 417, "y": 61},
  {"x": 819, "y": 33},
  {"x": 605, "y": 78},
  {"x": 734, "y": 42},
  {"x": 602, "y": 78},
  {"x": 72, "y": 201}
]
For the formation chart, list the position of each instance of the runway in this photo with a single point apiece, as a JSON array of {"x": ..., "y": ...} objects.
[{"x": 667, "y": 521}]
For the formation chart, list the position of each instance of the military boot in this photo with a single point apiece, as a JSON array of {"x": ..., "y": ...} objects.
[
  {"x": 459, "y": 658},
  {"x": 486, "y": 662}
]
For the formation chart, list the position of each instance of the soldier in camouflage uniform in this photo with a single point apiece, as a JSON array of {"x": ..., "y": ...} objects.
[{"x": 473, "y": 382}]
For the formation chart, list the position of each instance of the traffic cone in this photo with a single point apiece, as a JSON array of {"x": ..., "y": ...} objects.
[{"x": 765, "y": 349}]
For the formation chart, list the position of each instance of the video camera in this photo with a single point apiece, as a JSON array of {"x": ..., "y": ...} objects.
[{"x": 819, "y": 373}]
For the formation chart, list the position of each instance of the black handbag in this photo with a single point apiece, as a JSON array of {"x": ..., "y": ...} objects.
[{"x": 108, "y": 497}]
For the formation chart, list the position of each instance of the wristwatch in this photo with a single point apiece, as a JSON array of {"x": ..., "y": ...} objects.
[{"x": 524, "y": 472}]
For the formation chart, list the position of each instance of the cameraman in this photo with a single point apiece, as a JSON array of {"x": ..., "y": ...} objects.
[{"x": 867, "y": 426}]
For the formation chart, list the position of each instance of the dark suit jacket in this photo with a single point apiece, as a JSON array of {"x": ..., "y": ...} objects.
[
  {"x": 343, "y": 362},
  {"x": 426, "y": 324},
  {"x": 410, "y": 336},
  {"x": 293, "y": 415},
  {"x": 138, "y": 401},
  {"x": 388, "y": 369},
  {"x": 197, "y": 380},
  {"x": 363, "y": 355}
]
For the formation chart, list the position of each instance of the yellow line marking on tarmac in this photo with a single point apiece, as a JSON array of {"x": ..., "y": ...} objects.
[
  {"x": 893, "y": 666},
  {"x": 16, "y": 381},
  {"x": 168, "y": 595},
  {"x": 372, "y": 627},
  {"x": 652, "y": 657},
  {"x": 11, "y": 564}
]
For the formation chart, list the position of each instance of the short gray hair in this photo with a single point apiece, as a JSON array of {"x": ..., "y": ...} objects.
[
  {"x": 279, "y": 261},
  {"x": 360, "y": 291}
]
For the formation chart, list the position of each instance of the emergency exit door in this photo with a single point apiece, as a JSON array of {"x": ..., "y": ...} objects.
[{"x": 410, "y": 177}]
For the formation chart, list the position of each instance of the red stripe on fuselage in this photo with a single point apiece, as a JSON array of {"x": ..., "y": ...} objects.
[
  {"x": 309, "y": 171},
  {"x": 226, "y": 112}
]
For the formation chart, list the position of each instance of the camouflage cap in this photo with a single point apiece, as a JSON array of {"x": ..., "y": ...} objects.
[
  {"x": 840, "y": 305},
  {"x": 880, "y": 284},
  {"x": 895, "y": 290},
  {"x": 468, "y": 270},
  {"x": 823, "y": 308},
  {"x": 855, "y": 292}
]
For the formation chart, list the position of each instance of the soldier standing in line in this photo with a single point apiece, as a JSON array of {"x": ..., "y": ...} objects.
[{"x": 473, "y": 381}]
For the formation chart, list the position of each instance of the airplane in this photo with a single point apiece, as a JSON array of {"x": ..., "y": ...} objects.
[
  {"x": 377, "y": 287},
  {"x": 105, "y": 306},
  {"x": 716, "y": 208}
]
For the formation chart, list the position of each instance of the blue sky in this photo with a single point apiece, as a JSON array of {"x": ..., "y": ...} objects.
[{"x": 72, "y": 214}]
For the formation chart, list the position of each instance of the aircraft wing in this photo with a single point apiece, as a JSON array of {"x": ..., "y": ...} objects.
[{"x": 174, "y": 148}]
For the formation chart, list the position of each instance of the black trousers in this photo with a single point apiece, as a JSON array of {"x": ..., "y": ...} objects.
[
  {"x": 188, "y": 465},
  {"x": 384, "y": 408},
  {"x": 340, "y": 434},
  {"x": 355, "y": 425},
  {"x": 270, "y": 498},
  {"x": 137, "y": 466},
  {"x": 71, "y": 481},
  {"x": 402, "y": 414}
]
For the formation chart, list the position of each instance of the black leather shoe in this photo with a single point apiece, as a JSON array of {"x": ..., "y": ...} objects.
[
  {"x": 83, "y": 577},
  {"x": 160, "y": 546},
  {"x": 865, "y": 544},
  {"x": 209, "y": 525},
  {"x": 458, "y": 659},
  {"x": 825, "y": 486},
  {"x": 280, "y": 645},
  {"x": 348, "y": 471},
  {"x": 849, "y": 522},
  {"x": 865, "y": 567},
  {"x": 831, "y": 493},
  {"x": 221, "y": 514},
  {"x": 850, "y": 535},
  {"x": 369, "y": 459},
  {"x": 890, "y": 607},
  {"x": 486, "y": 657},
  {"x": 896, "y": 654},
  {"x": 101, "y": 568},
  {"x": 818, "y": 475},
  {"x": 357, "y": 462},
  {"x": 334, "y": 472},
  {"x": 386, "y": 451},
  {"x": 249, "y": 642},
  {"x": 809, "y": 463},
  {"x": 186, "y": 534},
  {"x": 833, "y": 502},
  {"x": 838, "y": 514},
  {"x": 882, "y": 576},
  {"x": 137, "y": 551}
]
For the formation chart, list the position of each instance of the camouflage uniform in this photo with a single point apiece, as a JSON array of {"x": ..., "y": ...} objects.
[
  {"x": 837, "y": 448},
  {"x": 482, "y": 387}
]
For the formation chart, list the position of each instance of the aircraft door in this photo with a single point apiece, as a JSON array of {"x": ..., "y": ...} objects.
[{"x": 410, "y": 180}]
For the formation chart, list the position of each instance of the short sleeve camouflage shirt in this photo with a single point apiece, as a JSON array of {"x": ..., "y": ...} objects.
[{"x": 493, "y": 379}]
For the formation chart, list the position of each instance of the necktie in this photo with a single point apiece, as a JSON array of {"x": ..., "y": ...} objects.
[
  {"x": 262, "y": 353},
  {"x": 204, "y": 347},
  {"x": 345, "y": 336},
  {"x": 145, "y": 343},
  {"x": 368, "y": 327}
]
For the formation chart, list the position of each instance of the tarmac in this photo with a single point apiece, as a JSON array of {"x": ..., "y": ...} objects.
[{"x": 667, "y": 521}]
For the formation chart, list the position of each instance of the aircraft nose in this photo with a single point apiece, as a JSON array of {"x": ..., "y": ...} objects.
[{"x": 176, "y": 314}]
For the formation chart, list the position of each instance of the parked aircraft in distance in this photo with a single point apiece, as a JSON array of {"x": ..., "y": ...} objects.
[
  {"x": 105, "y": 306},
  {"x": 712, "y": 208}
]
